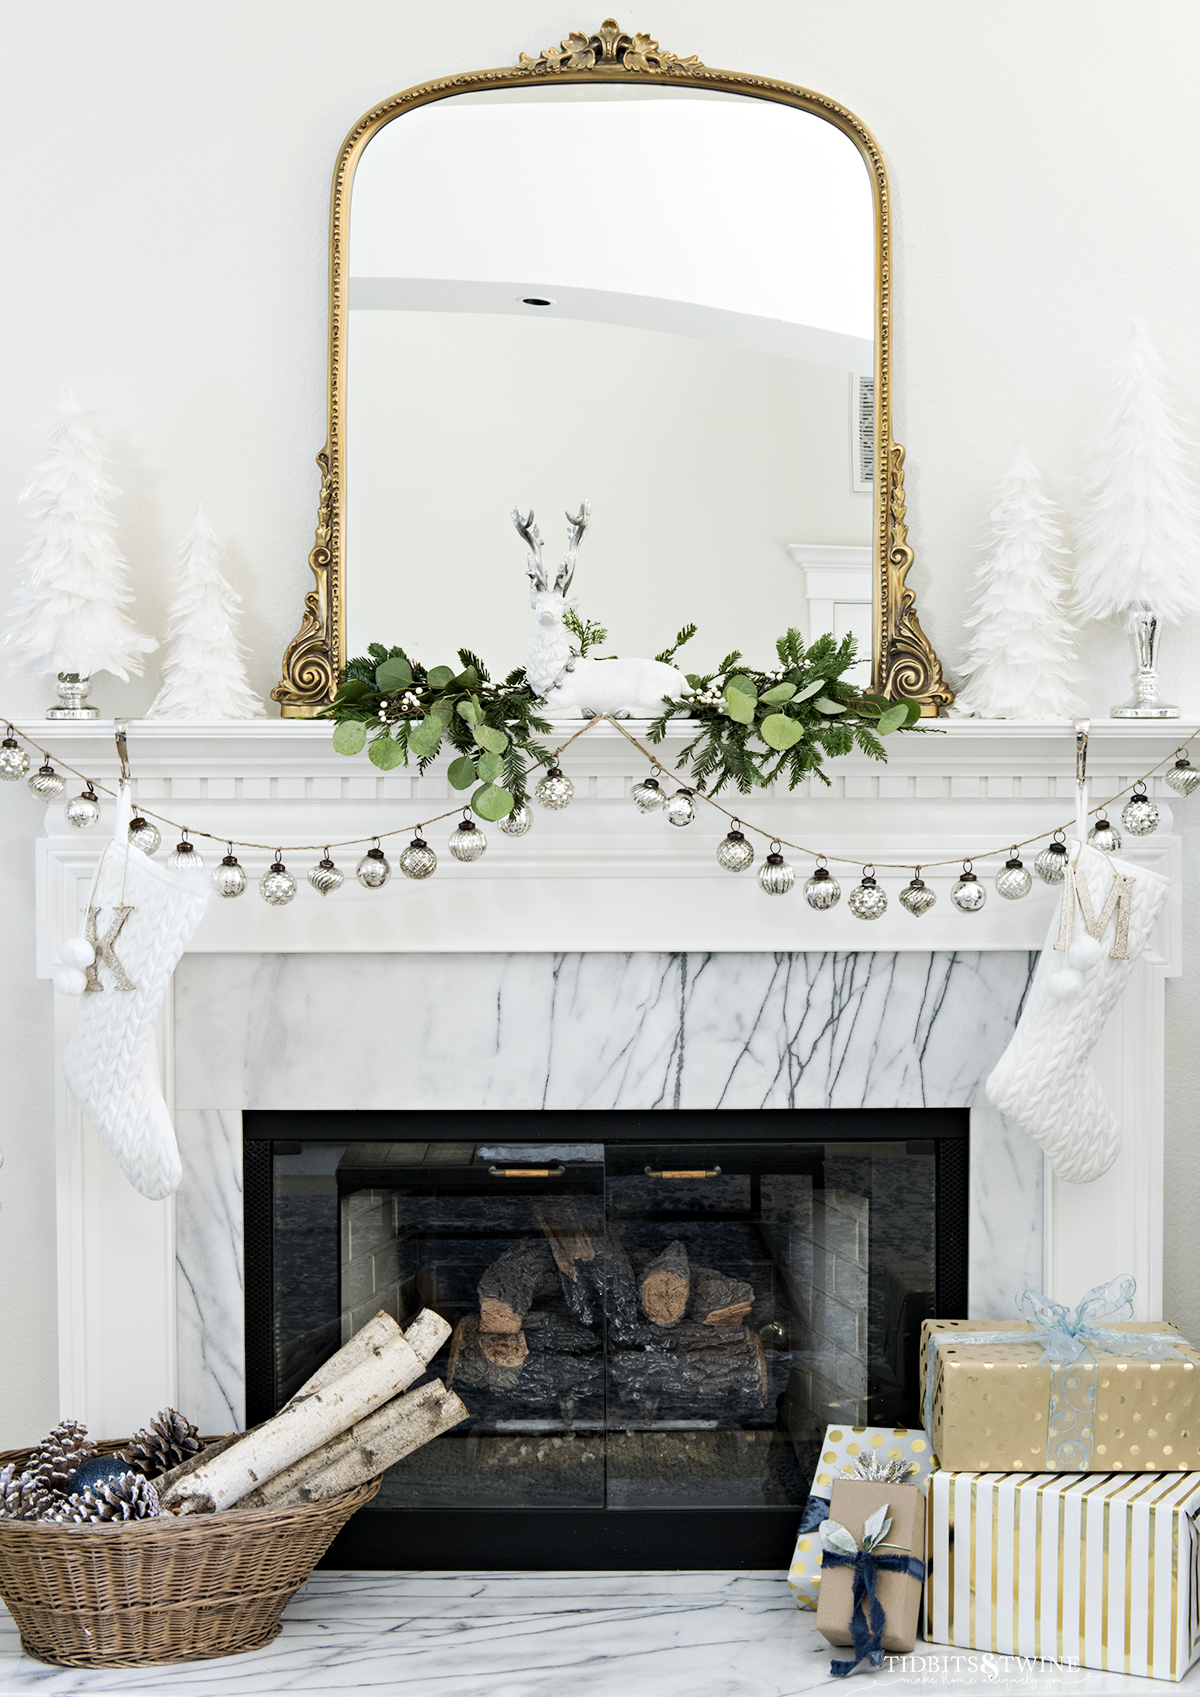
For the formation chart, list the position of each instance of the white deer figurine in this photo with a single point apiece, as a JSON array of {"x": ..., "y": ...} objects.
[{"x": 574, "y": 687}]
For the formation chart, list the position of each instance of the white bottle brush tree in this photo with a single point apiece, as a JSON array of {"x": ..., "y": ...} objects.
[
  {"x": 1021, "y": 658},
  {"x": 68, "y": 612},
  {"x": 204, "y": 676},
  {"x": 1139, "y": 553}
]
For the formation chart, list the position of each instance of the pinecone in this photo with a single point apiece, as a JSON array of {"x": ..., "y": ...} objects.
[
  {"x": 57, "y": 1456},
  {"x": 171, "y": 1440},
  {"x": 127, "y": 1497},
  {"x": 24, "y": 1498}
]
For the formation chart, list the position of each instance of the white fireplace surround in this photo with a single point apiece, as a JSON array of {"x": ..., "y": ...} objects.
[{"x": 598, "y": 878}]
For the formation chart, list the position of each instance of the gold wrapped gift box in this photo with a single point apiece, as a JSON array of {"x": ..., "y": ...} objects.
[{"x": 996, "y": 1406}]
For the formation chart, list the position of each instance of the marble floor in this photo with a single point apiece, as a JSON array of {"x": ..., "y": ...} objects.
[{"x": 551, "y": 1635}]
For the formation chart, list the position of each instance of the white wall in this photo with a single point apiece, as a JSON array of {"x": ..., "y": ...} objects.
[{"x": 165, "y": 191}]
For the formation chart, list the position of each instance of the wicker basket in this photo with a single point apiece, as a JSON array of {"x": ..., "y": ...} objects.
[{"x": 146, "y": 1592}]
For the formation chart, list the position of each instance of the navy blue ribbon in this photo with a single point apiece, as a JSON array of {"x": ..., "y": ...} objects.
[{"x": 866, "y": 1628}]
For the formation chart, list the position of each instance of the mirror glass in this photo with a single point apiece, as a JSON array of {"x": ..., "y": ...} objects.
[{"x": 660, "y": 300}]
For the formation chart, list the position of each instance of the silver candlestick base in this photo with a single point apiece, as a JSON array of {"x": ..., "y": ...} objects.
[
  {"x": 1144, "y": 703},
  {"x": 73, "y": 692}
]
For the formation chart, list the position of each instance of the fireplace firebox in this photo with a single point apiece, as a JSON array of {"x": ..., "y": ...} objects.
[{"x": 655, "y": 1316}]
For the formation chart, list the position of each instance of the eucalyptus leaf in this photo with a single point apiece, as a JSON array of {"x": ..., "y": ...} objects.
[
  {"x": 440, "y": 677},
  {"x": 778, "y": 731},
  {"x": 467, "y": 678},
  {"x": 741, "y": 707},
  {"x": 810, "y": 689},
  {"x": 461, "y": 772},
  {"x": 349, "y": 736},
  {"x": 490, "y": 767},
  {"x": 742, "y": 684},
  {"x": 469, "y": 711},
  {"x": 876, "y": 1527},
  {"x": 493, "y": 740},
  {"x": 393, "y": 675},
  {"x": 385, "y": 753},
  {"x": 781, "y": 692},
  {"x": 353, "y": 690},
  {"x": 824, "y": 705},
  {"x": 838, "y": 1538},
  {"x": 492, "y": 801},
  {"x": 914, "y": 711},
  {"x": 425, "y": 736},
  {"x": 893, "y": 718}
]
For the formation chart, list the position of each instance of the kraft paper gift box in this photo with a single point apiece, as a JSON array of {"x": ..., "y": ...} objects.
[
  {"x": 992, "y": 1404},
  {"x": 842, "y": 1444},
  {"x": 899, "y": 1593},
  {"x": 1103, "y": 1571}
]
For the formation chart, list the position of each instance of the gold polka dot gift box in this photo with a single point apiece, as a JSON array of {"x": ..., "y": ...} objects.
[
  {"x": 840, "y": 1454},
  {"x": 994, "y": 1402},
  {"x": 1087, "y": 1570}
]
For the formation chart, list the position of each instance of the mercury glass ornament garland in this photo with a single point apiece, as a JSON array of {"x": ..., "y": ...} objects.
[
  {"x": 1014, "y": 880},
  {"x": 277, "y": 886},
  {"x": 418, "y": 859},
  {"x": 822, "y": 891},
  {"x": 143, "y": 835},
  {"x": 84, "y": 810},
  {"x": 734, "y": 853},
  {"x": 1139, "y": 814},
  {"x": 185, "y": 857},
  {"x": 14, "y": 762},
  {"x": 229, "y": 879},
  {"x": 374, "y": 869},
  {"x": 325, "y": 877},
  {"x": 1105, "y": 837},
  {"x": 1183, "y": 777},
  {"x": 917, "y": 897},
  {"x": 968, "y": 895},
  {"x": 867, "y": 900},
  {"x": 46, "y": 784}
]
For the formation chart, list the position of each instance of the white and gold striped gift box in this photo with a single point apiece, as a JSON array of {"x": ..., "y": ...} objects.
[{"x": 1097, "y": 1569}]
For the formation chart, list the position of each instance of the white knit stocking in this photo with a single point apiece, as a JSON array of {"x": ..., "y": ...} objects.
[
  {"x": 110, "y": 1061},
  {"x": 1043, "y": 1079}
]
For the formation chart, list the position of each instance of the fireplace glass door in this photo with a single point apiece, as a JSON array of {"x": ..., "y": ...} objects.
[{"x": 636, "y": 1325}]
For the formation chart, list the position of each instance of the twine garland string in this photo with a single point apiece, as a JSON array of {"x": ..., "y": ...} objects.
[{"x": 1101, "y": 808}]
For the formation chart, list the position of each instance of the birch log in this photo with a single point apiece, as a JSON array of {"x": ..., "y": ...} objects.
[
  {"x": 378, "y": 1331},
  {"x": 391, "y": 1433},
  {"x": 305, "y": 1426}
]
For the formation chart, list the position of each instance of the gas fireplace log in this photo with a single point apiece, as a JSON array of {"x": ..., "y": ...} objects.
[
  {"x": 504, "y": 1349},
  {"x": 574, "y": 1252},
  {"x": 564, "y": 1361},
  {"x": 666, "y": 1283},
  {"x": 469, "y": 1365},
  {"x": 368, "y": 1448},
  {"x": 297, "y": 1431},
  {"x": 692, "y": 1367},
  {"x": 620, "y": 1288},
  {"x": 509, "y": 1288},
  {"x": 718, "y": 1300},
  {"x": 378, "y": 1331}
]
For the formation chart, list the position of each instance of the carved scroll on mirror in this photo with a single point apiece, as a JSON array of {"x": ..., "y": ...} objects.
[{"x": 589, "y": 69}]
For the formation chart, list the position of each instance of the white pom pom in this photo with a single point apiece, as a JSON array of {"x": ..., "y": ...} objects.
[
  {"x": 69, "y": 980},
  {"x": 1084, "y": 952},
  {"x": 1065, "y": 984},
  {"x": 77, "y": 951}
]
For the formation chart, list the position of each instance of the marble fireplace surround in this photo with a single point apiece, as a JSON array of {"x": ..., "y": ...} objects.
[{"x": 602, "y": 961}]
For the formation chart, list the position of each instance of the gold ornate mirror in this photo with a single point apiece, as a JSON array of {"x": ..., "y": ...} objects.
[{"x": 609, "y": 272}]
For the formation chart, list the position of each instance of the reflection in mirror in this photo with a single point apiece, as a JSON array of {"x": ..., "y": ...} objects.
[{"x": 661, "y": 300}]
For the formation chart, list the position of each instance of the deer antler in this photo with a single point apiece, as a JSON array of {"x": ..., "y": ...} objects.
[
  {"x": 579, "y": 523},
  {"x": 532, "y": 536}
]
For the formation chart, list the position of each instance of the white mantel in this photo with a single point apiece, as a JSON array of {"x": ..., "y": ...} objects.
[{"x": 597, "y": 877}]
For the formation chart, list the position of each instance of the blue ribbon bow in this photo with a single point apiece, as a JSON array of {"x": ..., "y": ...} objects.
[
  {"x": 1066, "y": 1336},
  {"x": 866, "y": 1628}
]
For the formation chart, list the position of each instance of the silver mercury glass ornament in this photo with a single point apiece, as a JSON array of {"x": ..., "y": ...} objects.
[
  {"x": 184, "y": 857},
  {"x": 1139, "y": 814},
  {"x": 1104, "y": 837},
  {"x": 144, "y": 834},
  {"x": 518, "y": 822},
  {"x": 681, "y": 808},
  {"x": 46, "y": 783},
  {"x": 1183, "y": 776},
  {"x": 467, "y": 841},
  {"x": 277, "y": 886},
  {"x": 734, "y": 853},
  {"x": 554, "y": 791},
  {"x": 1014, "y": 879},
  {"x": 373, "y": 870},
  {"x": 229, "y": 879},
  {"x": 418, "y": 859},
  {"x": 917, "y": 897},
  {"x": 775, "y": 876},
  {"x": 968, "y": 895},
  {"x": 867, "y": 900},
  {"x": 1051, "y": 864},
  {"x": 14, "y": 762},
  {"x": 325, "y": 877},
  {"x": 822, "y": 890},
  {"x": 83, "y": 811},
  {"x": 648, "y": 795}
]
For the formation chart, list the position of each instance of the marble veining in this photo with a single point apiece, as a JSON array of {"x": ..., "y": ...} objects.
[
  {"x": 210, "y": 1315},
  {"x": 543, "y": 1634}
]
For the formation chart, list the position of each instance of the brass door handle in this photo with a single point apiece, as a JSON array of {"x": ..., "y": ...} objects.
[
  {"x": 527, "y": 1172},
  {"x": 685, "y": 1172}
]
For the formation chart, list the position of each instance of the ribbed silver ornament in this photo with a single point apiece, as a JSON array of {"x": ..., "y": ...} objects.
[
  {"x": 1139, "y": 814},
  {"x": 822, "y": 890},
  {"x": 83, "y": 811},
  {"x": 1014, "y": 880},
  {"x": 325, "y": 877},
  {"x": 1051, "y": 864},
  {"x": 554, "y": 791},
  {"x": 144, "y": 834},
  {"x": 418, "y": 860},
  {"x": 229, "y": 879},
  {"x": 734, "y": 853},
  {"x": 14, "y": 762},
  {"x": 917, "y": 897},
  {"x": 867, "y": 900},
  {"x": 185, "y": 857},
  {"x": 46, "y": 783},
  {"x": 775, "y": 876},
  {"x": 373, "y": 870},
  {"x": 648, "y": 795},
  {"x": 1183, "y": 776},
  {"x": 277, "y": 886},
  {"x": 467, "y": 841},
  {"x": 518, "y": 822},
  {"x": 1104, "y": 837}
]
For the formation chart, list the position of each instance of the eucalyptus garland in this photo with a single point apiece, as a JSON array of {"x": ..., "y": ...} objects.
[{"x": 755, "y": 727}]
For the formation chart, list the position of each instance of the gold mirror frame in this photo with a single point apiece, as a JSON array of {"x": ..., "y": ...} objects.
[{"x": 904, "y": 663}]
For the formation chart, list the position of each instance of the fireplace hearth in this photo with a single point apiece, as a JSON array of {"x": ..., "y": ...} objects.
[{"x": 651, "y": 1331}]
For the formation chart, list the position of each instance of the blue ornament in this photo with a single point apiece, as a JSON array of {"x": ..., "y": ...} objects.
[{"x": 98, "y": 1470}]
